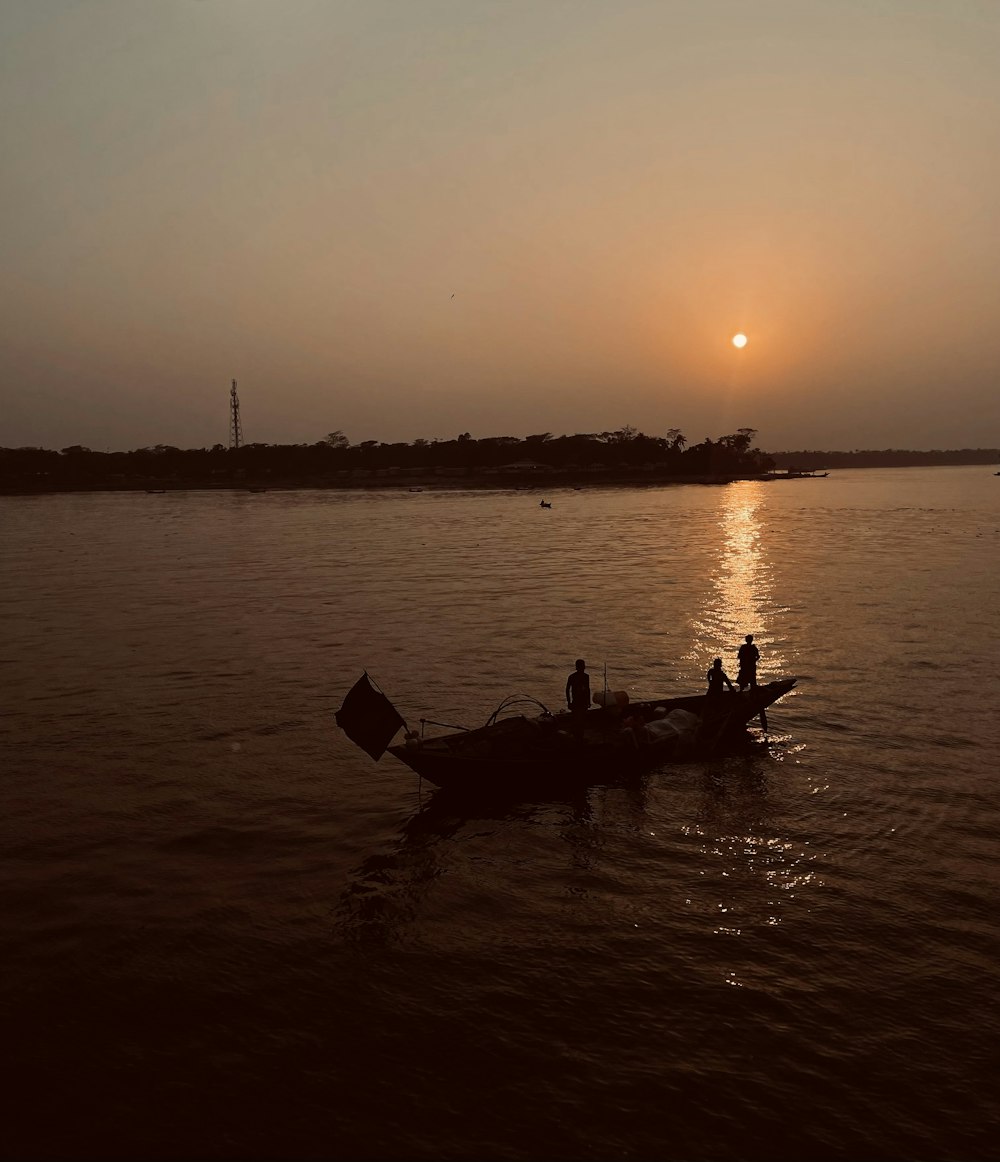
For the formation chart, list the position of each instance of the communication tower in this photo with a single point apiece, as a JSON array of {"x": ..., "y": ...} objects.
[{"x": 235, "y": 426}]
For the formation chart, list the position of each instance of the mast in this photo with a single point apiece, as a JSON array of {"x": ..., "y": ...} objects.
[{"x": 235, "y": 426}]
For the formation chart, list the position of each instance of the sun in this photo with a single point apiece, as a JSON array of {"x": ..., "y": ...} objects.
[{"x": 739, "y": 340}]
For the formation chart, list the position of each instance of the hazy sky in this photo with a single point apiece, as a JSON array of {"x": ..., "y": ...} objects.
[{"x": 415, "y": 218}]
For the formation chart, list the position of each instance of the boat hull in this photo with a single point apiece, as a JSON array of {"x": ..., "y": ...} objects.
[{"x": 531, "y": 753}]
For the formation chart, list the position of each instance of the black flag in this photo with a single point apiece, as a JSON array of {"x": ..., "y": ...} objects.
[{"x": 368, "y": 718}]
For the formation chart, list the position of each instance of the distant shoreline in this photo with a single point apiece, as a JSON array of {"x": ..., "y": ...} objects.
[
  {"x": 623, "y": 458},
  {"x": 427, "y": 482}
]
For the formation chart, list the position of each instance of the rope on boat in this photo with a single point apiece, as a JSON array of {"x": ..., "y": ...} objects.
[
  {"x": 448, "y": 725},
  {"x": 516, "y": 700}
]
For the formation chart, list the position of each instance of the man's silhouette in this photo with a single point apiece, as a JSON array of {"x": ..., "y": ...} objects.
[
  {"x": 716, "y": 677},
  {"x": 748, "y": 655},
  {"x": 578, "y": 696}
]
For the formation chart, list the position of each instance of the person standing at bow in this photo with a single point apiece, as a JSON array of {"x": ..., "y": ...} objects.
[{"x": 748, "y": 656}]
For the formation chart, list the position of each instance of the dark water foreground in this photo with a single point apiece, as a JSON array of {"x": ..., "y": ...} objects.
[{"x": 227, "y": 934}]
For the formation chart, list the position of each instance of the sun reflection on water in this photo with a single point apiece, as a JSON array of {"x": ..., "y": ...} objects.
[
  {"x": 780, "y": 868},
  {"x": 741, "y": 598}
]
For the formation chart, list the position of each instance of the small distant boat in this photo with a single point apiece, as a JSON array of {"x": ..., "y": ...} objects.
[
  {"x": 795, "y": 474},
  {"x": 544, "y": 504},
  {"x": 521, "y": 751}
]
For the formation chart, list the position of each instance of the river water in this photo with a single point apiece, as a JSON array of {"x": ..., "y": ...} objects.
[{"x": 227, "y": 933}]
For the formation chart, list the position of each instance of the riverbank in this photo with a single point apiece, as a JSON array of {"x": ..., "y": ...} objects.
[{"x": 426, "y": 482}]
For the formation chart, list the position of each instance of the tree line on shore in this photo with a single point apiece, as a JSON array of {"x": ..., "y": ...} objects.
[{"x": 336, "y": 457}]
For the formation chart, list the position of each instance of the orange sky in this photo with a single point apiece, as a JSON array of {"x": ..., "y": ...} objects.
[{"x": 292, "y": 193}]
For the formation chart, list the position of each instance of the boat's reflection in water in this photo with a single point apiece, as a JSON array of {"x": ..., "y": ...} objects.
[
  {"x": 454, "y": 837},
  {"x": 385, "y": 892}
]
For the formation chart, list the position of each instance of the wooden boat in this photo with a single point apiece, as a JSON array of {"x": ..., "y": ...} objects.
[{"x": 542, "y": 748}]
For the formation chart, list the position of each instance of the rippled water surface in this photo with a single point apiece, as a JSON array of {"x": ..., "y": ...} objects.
[{"x": 226, "y": 933}]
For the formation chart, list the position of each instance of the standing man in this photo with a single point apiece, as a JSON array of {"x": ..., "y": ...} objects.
[
  {"x": 748, "y": 656},
  {"x": 578, "y": 697}
]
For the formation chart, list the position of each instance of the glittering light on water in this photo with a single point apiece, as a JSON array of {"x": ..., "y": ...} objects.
[
  {"x": 741, "y": 601},
  {"x": 785, "y": 868}
]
